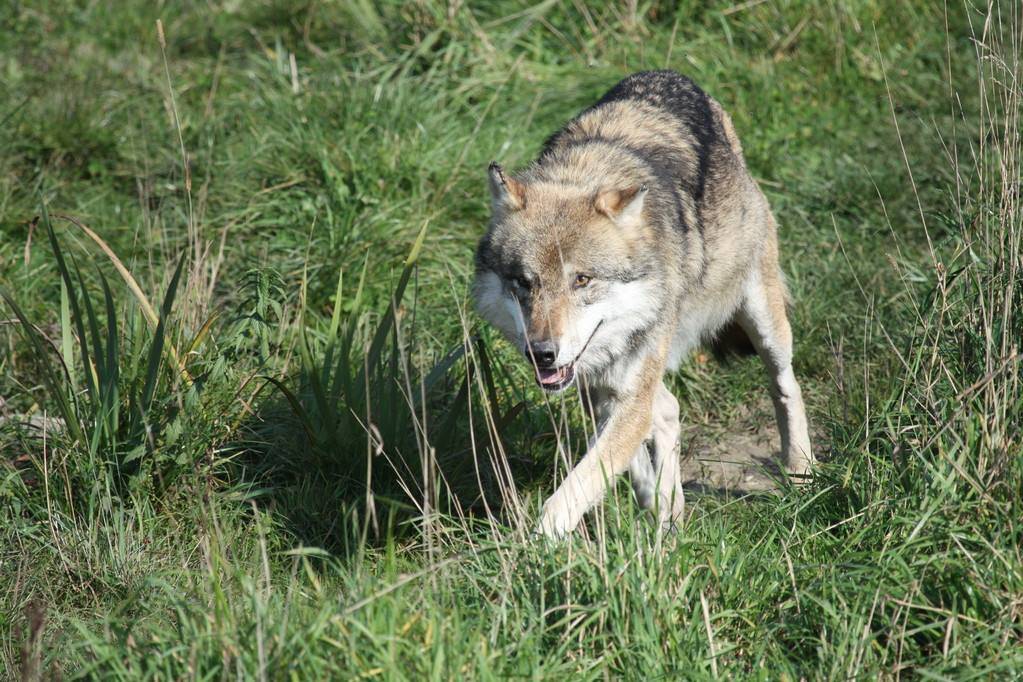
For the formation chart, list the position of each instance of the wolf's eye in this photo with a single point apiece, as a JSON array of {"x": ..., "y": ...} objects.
[
  {"x": 582, "y": 280},
  {"x": 522, "y": 283}
]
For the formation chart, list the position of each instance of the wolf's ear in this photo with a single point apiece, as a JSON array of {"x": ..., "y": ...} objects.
[
  {"x": 623, "y": 206},
  {"x": 506, "y": 192}
]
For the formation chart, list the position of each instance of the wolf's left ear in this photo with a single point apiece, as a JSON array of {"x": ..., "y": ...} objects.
[
  {"x": 505, "y": 191},
  {"x": 623, "y": 206}
]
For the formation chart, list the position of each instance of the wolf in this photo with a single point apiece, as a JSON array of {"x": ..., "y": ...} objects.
[{"x": 637, "y": 235}]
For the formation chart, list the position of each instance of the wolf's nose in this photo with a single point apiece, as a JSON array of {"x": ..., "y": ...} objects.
[{"x": 543, "y": 353}]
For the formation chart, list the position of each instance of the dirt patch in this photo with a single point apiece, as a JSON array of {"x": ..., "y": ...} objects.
[
  {"x": 735, "y": 464},
  {"x": 741, "y": 457}
]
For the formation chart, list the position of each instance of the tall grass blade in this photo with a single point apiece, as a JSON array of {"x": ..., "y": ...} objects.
[
  {"x": 390, "y": 319},
  {"x": 76, "y": 313},
  {"x": 66, "y": 406},
  {"x": 159, "y": 338}
]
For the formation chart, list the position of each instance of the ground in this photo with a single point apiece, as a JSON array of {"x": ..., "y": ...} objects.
[
  {"x": 740, "y": 457},
  {"x": 250, "y": 427}
]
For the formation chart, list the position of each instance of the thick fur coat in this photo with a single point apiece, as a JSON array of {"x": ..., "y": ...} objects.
[{"x": 635, "y": 236}]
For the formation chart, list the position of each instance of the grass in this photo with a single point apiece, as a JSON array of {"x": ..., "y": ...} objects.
[{"x": 250, "y": 428}]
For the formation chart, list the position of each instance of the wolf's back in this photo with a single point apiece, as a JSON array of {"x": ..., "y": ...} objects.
[
  {"x": 671, "y": 92},
  {"x": 659, "y": 116}
]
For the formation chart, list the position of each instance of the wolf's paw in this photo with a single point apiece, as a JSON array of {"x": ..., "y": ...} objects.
[
  {"x": 671, "y": 512},
  {"x": 800, "y": 469},
  {"x": 557, "y": 518}
]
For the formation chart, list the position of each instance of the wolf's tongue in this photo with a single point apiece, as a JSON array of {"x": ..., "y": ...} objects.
[{"x": 550, "y": 376}]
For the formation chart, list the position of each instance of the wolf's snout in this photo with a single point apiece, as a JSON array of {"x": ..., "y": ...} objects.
[{"x": 542, "y": 353}]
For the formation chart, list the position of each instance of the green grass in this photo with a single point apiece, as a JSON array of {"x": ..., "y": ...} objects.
[{"x": 292, "y": 452}]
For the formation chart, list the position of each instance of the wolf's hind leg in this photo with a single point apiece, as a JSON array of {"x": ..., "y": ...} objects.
[
  {"x": 642, "y": 476},
  {"x": 655, "y": 468},
  {"x": 763, "y": 317}
]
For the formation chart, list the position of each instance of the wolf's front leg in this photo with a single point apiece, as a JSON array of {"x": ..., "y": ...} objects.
[
  {"x": 582, "y": 488},
  {"x": 628, "y": 424}
]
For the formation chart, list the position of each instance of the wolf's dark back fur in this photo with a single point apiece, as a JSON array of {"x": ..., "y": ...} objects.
[{"x": 676, "y": 95}]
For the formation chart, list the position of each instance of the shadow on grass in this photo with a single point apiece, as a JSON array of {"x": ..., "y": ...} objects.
[{"x": 340, "y": 467}]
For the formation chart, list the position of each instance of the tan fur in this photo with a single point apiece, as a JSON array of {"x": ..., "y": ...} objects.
[
  {"x": 726, "y": 124},
  {"x": 637, "y": 235}
]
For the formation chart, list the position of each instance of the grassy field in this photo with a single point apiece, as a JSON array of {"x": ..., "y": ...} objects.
[{"x": 250, "y": 427}]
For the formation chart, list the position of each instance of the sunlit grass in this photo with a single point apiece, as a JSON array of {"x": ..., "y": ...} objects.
[{"x": 250, "y": 428}]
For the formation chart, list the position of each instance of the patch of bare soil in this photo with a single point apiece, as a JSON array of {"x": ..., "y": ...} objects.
[{"x": 733, "y": 459}]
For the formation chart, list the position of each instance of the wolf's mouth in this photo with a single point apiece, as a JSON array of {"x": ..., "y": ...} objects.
[{"x": 554, "y": 379}]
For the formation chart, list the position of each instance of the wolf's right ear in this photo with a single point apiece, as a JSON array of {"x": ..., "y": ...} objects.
[{"x": 506, "y": 192}]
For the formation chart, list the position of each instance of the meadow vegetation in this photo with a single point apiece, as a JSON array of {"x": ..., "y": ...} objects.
[{"x": 250, "y": 427}]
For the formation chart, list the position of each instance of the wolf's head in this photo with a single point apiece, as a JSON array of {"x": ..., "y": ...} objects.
[{"x": 564, "y": 272}]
